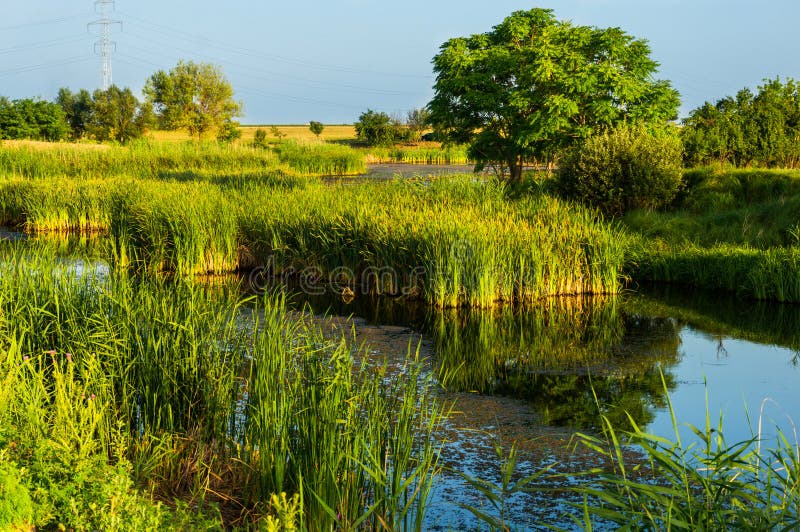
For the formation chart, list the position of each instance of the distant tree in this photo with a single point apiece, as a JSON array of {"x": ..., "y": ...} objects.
[
  {"x": 534, "y": 85},
  {"x": 277, "y": 133},
  {"x": 417, "y": 121},
  {"x": 260, "y": 138},
  {"x": 78, "y": 110},
  {"x": 375, "y": 128},
  {"x": 761, "y": 129},
  {"x": 229, "y": 131},
  {"x": 32, "y": 119},
  {"x": 192, "y": 96},
  {"x": 316, "y": 127},
  {"x": 117, "y": 115}
]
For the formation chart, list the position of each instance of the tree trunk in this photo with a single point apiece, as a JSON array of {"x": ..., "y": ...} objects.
[{"x": 514, "y": 170}]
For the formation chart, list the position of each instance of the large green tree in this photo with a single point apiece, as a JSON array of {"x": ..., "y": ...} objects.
[
  {"x": 534, "y": 85},
  {"x": 192, "y": 96},
  {"x": 117, "y": 115},
  {"x": 30, "y": 118},
  {"x": 77, "y": 107}
]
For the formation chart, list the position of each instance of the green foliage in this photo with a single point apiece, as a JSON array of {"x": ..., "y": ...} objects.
[
  {"x": 449, "y": 154},
  {"x": 192, "y": 96},
  {"x": 260, "y": 138},
  {"x": 78, "y": 110},
  {"x": 244, "y": 208},
  {"x": 761, "y": 129},
  {"x": 708, "y": 484},
  {"x": 32, "y": 119},
  {"x": 321, "y": 159},
  {"x": 117, "y": 115},
  {"x": 772, "y": 273},
  {"x": 16, "y": 505},
  {"x": 376, "y": 128},
  {"x": 144, "y": 388},
  {"x": 316, "y": 127},
  {"x": 417, "y": 121},
  {"x": 626, "y": 168},
  {"x": 229, "y": 131},
  {"x": 534, "y": 85}
]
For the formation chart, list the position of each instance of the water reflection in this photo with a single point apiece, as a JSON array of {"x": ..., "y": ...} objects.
[{"x": 566, "y": 357}]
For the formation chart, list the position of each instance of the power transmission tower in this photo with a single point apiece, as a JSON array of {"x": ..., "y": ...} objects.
[{"x": 105, "y": 44}]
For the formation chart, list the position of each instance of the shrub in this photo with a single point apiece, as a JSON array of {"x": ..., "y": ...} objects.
[
  {"x": 16, "y": 506},
  {"x": 316, "y": 127},
  {"x": 375, "y": 128},
  {"x": 260, "y": 139},
  {"x": 625, "y": 168},
  {"x": 229, "y": 131}
]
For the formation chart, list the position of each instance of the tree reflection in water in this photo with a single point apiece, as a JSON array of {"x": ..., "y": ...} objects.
[{"x": 566, "y": 356}]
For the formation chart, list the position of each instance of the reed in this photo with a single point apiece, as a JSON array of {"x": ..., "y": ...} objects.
[
  {"x": 315, "y": 158},
  {"x": 429, "y": 153},
  {"x": 706, "y": 484},
  {"x": 761, "y": 274},
  {"x": 457, "y": 241},
  {"x": 201, "y": 396}
]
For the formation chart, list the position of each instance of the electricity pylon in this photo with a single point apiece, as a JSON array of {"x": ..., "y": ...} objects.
[{"x": 105, "y": 44}]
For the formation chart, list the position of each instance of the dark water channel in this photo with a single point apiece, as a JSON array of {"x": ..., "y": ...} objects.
[{"x": 531, "y": 376}]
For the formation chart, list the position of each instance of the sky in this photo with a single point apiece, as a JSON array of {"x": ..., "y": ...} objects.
[{"x": 292, "y": 62}]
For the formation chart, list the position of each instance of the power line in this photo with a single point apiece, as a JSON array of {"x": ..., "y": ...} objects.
[
  {"x": 31, "y": 68},
  {"x": 273, "y": 57},
  {"x": 42, "y": 44},
  {"x": 40, "y": 23},
  {"x": 281, "y": 78}
]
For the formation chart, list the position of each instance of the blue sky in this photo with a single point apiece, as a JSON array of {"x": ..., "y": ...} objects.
[{"x": 291, "y": 62}]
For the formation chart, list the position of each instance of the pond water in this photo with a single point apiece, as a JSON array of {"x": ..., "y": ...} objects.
[
  {"x": 531, "y": 376},
  {"x": 535, "y": 376}
]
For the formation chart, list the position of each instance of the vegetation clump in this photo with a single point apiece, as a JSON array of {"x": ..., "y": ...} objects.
[
  {"x": 533, "y": 86},
  {"x": 749, "y": 129},
  {"x": 628, "y": 167},
  {"x": 192, "y": 96}
]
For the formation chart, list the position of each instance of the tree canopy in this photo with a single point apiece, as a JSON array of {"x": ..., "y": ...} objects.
[
  {"x": 534, "y": 85},
  {"x": 192, "y": 96},
  {"x": 34, "y": 119},
  {"x": 117, "y": 114},
  {"x": 761, "y": 129}
]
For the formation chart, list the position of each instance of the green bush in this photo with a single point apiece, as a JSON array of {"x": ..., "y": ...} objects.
[
  {"x": 260, "y": 139},
  {"x": 16, "y": 507},
  {"x": 626, "y": 168}
]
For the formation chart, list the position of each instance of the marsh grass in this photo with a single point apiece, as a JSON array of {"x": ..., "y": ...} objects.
[
  {"x": 206, "y": 401},
  {"x": 196, "y": 208},
  {"x": 706, "y": 484},
  {"x": 315, "y": 158},
  {"x": 426, "y": 153},
  {"x": 772, "y": 274}
]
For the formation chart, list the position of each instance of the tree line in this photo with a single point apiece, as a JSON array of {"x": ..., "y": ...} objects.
[{"x": 192, "y": 96}]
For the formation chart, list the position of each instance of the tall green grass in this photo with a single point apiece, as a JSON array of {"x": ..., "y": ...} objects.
[
  {"x": 419, "y": 154},
  {"x": 761, "y": 274},
  {"x": 176, "y": 161},
  {"x": 321, "y": 159},
  {"x": 455, "y": 241},
  {"x": 200, "y": 396},
  {"x": 706, "y": 484}
]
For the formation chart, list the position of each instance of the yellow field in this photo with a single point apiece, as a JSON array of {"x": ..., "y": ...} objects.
[
  {"x": 292, "y": 132},
  {"x": 42, "y": 145}
]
